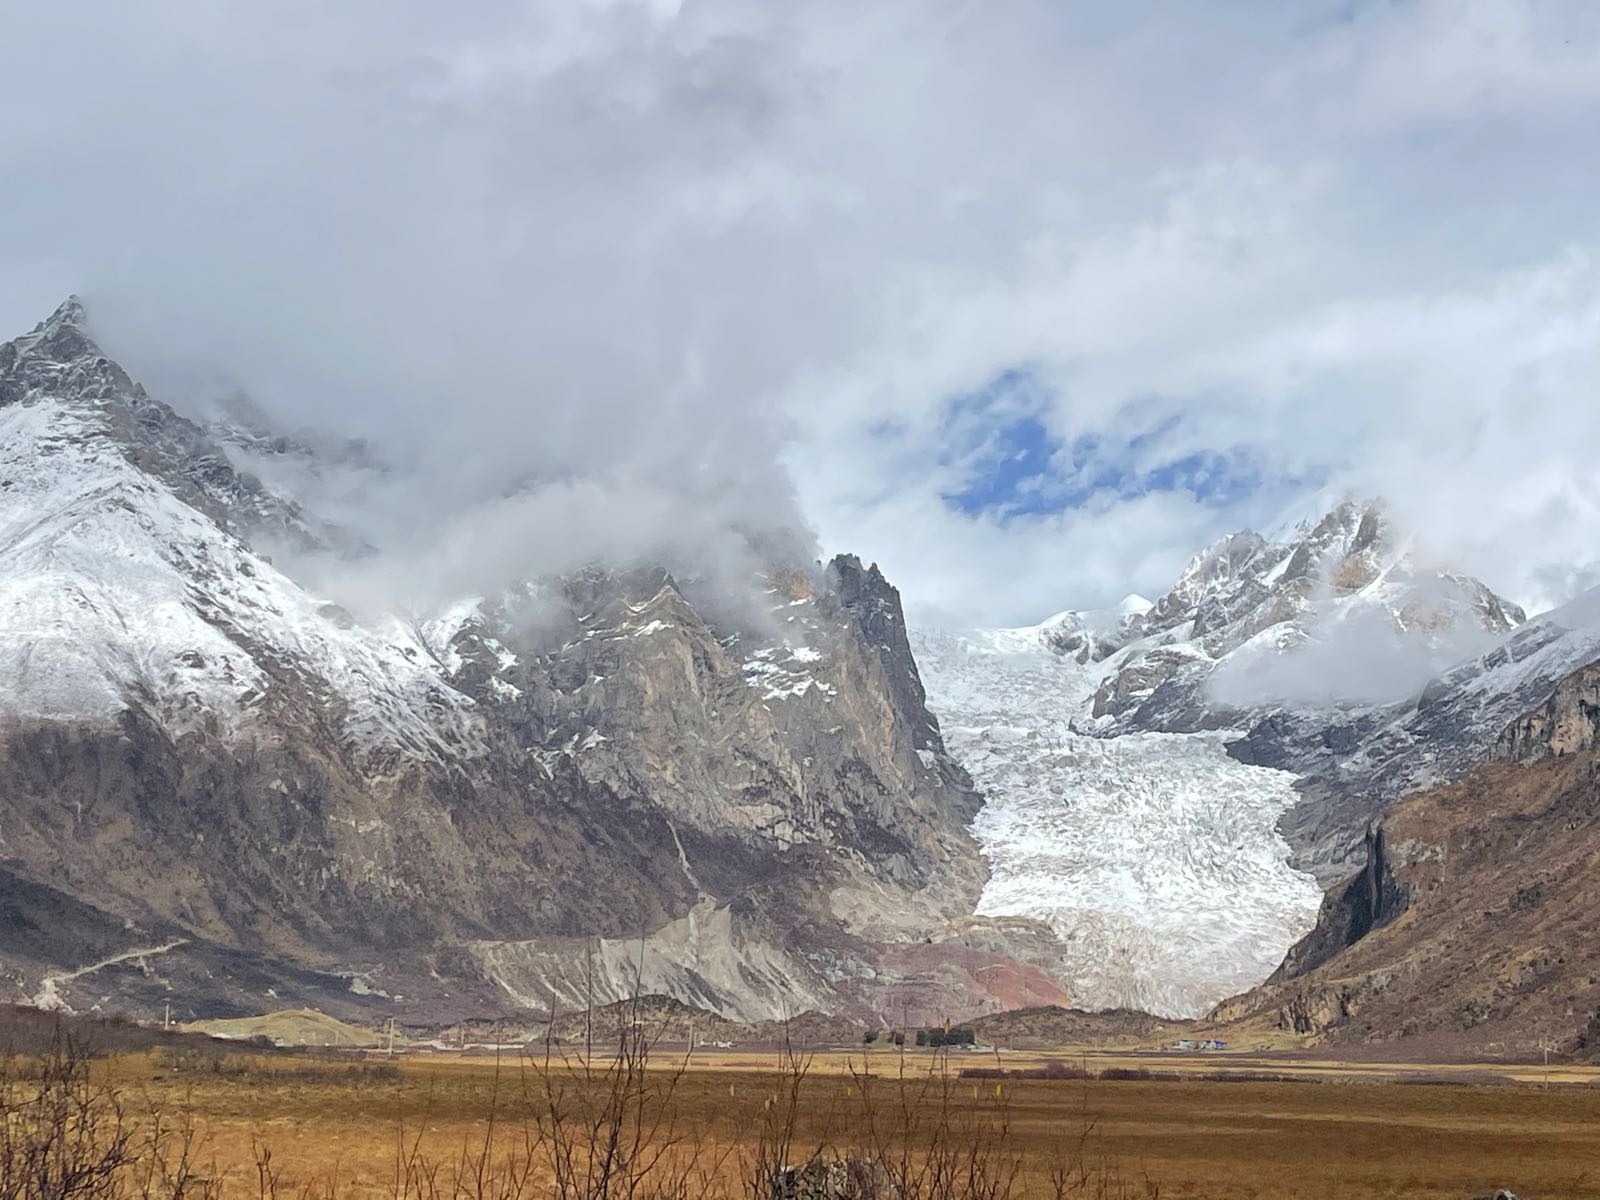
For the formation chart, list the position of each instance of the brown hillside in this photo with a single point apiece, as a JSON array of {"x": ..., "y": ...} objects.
[{"x": 1474, "y": 929}]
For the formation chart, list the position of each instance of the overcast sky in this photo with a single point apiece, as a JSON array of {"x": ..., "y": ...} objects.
[{"x": 1027, "y": 301}]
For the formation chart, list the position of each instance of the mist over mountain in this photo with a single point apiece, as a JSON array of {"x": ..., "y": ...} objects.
[
  {"x": 663, "y": 271},
  {"x": 216, "y": 758}
]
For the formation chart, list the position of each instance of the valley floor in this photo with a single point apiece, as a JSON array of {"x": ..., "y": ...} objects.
[{"x": 339, "y": 1128}]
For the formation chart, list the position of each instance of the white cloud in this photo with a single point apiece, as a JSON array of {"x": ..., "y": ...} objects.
[{"x": 658, "y": 250}]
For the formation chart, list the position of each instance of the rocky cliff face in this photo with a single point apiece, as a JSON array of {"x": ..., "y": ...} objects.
[
  {"x": 1369, "y": 900},
  {"x": 1567, "y": 723},
  {"x": 574, "y": 789},
  {"x": 1357, "y": 762},
  {"x": 1471, "y": 928}
]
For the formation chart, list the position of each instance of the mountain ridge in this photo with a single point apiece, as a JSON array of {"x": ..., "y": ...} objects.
[{"x": 415, "y": 812}]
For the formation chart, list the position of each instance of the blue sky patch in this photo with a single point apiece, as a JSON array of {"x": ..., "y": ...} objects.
[
  {"x": 998, "y": 442},
  {"x": 1012, "y": 471}
]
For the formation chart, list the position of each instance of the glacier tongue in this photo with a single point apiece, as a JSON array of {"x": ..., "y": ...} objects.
[{"x": 1155, "y": 856}]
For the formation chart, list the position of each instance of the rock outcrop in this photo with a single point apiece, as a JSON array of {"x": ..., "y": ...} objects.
[
  {"x": 1472, "y": 927},
  {"x": 1567, "y": 723},
  {"x": 1371, "y": 899}
]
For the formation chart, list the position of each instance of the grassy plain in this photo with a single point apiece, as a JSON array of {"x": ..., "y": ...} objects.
[
  {"x": 337, "y": 1127},
  {"x": 293, "y": 1027}
]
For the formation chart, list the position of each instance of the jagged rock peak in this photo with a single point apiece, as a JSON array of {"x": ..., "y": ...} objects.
[
  {"x": 1250, "y": 598},
  {"x": 61, "y": 337},
  {"x": 69, "y": 313},
  {"x": 59, "y": 365},
  {"x": 60, "y": 357},
  {"x": 875, "y": 604}
]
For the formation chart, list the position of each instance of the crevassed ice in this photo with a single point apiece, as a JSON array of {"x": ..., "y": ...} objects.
[{"x": 1155, "y": 857}]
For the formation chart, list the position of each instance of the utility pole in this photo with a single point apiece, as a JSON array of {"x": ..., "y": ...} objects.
[
  {"x": 1547, "y": 1044},
  {"x": 166, "y": 1020},
  {"x": 391, "y": 1037}
]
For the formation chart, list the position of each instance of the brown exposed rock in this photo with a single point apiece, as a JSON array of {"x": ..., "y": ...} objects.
[
  {"x": 1474, "y": 927},
  {"x": 1567, "y": 723},
  {"x": 1317, "y": 1011}
]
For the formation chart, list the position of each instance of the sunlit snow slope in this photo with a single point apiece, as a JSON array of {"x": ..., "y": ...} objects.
[{"x": 1154, "y": 854}]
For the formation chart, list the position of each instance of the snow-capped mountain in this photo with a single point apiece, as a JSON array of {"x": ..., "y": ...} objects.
[
  {"x": 1114, "y": 809},
  {"x": 217, "y": 783},
  {"x": 1083, "y": 636},
  {"x": 125, "y": 576},
  {"x": 1336, "y": 612}
]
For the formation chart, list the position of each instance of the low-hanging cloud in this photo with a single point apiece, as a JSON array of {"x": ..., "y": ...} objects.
[
  {"x": 629, "y": 277},
  {"x": 1358, "y": 660},
  {"x": 491, "y": 245}
]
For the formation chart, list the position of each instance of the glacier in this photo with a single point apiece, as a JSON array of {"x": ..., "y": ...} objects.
[
  {"x": 1113, "y": 809},
  {"x": 1154, "y": 856}
]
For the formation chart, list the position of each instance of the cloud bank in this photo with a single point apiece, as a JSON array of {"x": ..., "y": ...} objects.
[{"x": 617, "y": 273}]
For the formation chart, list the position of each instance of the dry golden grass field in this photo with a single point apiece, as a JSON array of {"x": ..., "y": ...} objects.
[{"x": 418, "y": 1124}]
